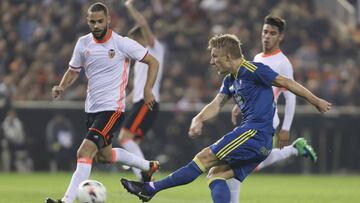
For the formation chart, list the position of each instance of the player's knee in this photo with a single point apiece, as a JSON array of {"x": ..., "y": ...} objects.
[
  {"x": 223, "y": 172},
  {"x": 86, "y": 150},
  {"x": 83, "y": 153},
  {"x": 100, "y": 158},
  {"x": 207, "y": 158},
  {"x": 212, "y": 174}
]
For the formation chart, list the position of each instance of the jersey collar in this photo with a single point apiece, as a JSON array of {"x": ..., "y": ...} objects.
[
  {"x": 271, "y": 54},
  {"x": 105, "y": 38},
  {"x": 238, "y": 70}
]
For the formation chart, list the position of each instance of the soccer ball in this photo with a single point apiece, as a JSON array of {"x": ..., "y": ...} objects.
[{"x": 91, "y": 191}]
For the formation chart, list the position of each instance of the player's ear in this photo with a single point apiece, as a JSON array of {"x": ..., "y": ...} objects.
[
  {"x": 228, "y": 57},
  {"x": 281, "y": 37},
  {"x": 108, "y": 19}
]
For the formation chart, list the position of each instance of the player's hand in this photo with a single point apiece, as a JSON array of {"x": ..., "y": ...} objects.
[
  {"x": 195, "y": 127},
  {"x": 149, "y": 99},
  {"x": 283, "y": 138},
  {"x": 129, "y": 2},
  {"x": 234, "y": 114},
  {"x": 57, "y": 91},
  {"x": 323, "y": 106}
]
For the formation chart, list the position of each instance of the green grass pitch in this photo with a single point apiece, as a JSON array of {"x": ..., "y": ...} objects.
[{"x": 34, "y": 188}]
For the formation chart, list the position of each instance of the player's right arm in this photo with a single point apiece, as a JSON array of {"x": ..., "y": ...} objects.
[
  {"x": 73, "y": 71},
  {"x": 321, "y": 104},
  {"x": 141, "y": 21},
  {"x": 68, "y": 79},
  {"x": 208, "y": 112}
]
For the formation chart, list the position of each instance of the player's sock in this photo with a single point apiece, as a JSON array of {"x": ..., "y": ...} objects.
[
  {"x": 82, "y": 172},
  {"x": 278, "y": 155},
  {"x": 125, "y": 157},
  {"x": 134, "y": 148},
  {"x": 234, "y": 187},
  {"x": 220, "y": 192},
  {"x": 182, "y": 176}
]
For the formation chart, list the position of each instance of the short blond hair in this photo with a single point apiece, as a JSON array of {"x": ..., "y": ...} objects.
[{"x": 228, "y": 42}]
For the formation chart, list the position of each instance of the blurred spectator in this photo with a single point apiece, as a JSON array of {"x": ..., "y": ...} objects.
[
  {"x": 14, "y": 153},
  {"x": 35, "y": 47},
  {"x": 60, "y": 141}
]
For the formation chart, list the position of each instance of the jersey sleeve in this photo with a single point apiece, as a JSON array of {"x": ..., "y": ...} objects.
[
  {"x": 264, "y": 74},
  {"x": 225, "y": 87},
  {"x": 77, "y": 60},
  {"x": 133, "y": 49},
  {"x": 287, "y": 70},
  {"x": 290, "y": 104},
  {"x": 290, "y": 98}
]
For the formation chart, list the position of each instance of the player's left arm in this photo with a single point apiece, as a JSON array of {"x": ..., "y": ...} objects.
[
  {"x": 321, "y": 104},
  {"x": 141, "y": 21},
  {"x": 153, "y": 67}
]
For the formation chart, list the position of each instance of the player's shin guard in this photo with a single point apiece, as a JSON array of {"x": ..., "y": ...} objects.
[
  {"x": 182, "y": 176},
  {"x": 127, "y": 158},
  {"x": 82, "y": 172},
  {"x": 220, "y": 192},
  {"x": 234, "y": 187}
]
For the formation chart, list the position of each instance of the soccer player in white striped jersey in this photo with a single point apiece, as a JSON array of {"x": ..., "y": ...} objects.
[
  {"x": 140, "y": 119},
  {"x": 272, "y": 35},
  {"x": 104, "y": 55}
]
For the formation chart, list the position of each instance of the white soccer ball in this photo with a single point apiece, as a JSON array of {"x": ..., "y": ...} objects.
[{"x": 91, "y": 191}]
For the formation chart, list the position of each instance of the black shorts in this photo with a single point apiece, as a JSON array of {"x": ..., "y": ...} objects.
[
  {"x": 140, "y": 118},
  {"x": 102, "y": 125}
]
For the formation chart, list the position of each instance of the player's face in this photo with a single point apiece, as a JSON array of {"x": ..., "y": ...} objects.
[
  {"x": 98, "y": 23},
  {"x": 219, "y": 60},
  {"x": 271, "y": 38}
]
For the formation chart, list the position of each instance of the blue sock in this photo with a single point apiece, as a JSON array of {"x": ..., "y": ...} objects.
[
  {"x": 182, "y": 176},
  {"x": 220, "y": 192}
]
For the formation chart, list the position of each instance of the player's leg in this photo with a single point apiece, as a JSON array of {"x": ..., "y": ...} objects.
[
  {"x": 145, "y": 191},
  {"x": 85, "y": 155},
  {"x": 234, "y": 187},
  {"x": 239, "y": 154},
  {"x": 136, "y": 125},
  {"x": 99, "y": 125},
  {"x": 217, "y": 177},
  {"x": 299, "y": 147},
  {"x": 207, "y": 158},
  {"x": 113, "y": 155}
]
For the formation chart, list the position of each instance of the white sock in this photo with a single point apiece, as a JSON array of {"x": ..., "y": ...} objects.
[
  {"x": 278, "y": 155},
  {"x": 130, "y": 159},
  {"x": 134, "y": 148},
  {"x": 82, "y": 172},
  {"x": 234, "y": 186}
]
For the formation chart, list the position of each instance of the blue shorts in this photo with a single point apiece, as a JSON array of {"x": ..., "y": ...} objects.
[{"x": 243, "y": 149}]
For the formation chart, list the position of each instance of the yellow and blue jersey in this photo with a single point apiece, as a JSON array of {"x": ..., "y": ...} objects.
[
  {"x": 250, "y": 143},
  {"x": 252, "y": 90}
]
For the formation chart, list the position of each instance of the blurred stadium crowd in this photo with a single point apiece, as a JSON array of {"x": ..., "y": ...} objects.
[{"x": 37, "y": 39}]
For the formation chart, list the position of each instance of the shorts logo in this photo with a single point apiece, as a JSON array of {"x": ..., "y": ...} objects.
[
  {"x": 264, "y": 151},
  {"x": 111, "y": 53}
]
